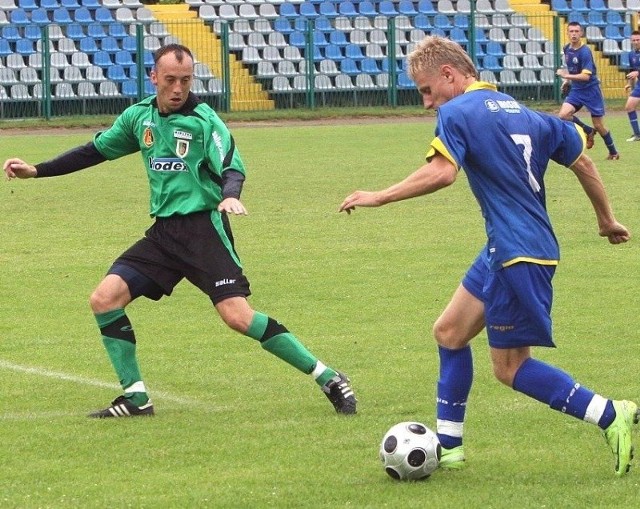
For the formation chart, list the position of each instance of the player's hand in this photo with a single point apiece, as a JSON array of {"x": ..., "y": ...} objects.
[
  {"x": 232, "y": 206},
  {"x": 360, "y": 199},
  {"x": 616, "y": 233},
  {"x": 17, "y": 168},
  {"x": 564, "y": 89}
]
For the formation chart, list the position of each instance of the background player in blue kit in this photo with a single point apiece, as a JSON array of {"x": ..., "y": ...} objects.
[
  {"x": 581, "y": 80},
  {"x": 195, "y": 177},
  {"x": 504, "y": 149},
  {"x": 633, "y": 85}
]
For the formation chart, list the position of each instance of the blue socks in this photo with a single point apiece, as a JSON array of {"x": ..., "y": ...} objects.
[{"x": 454, "y": 385}]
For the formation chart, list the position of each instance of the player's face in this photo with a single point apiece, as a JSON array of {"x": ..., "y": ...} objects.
[
  {"x": 635, "y": 42},
  {"x": 436, "y": 87},
  {"x": 575, "y": 34},
  {"x": 172, "y": 80}
]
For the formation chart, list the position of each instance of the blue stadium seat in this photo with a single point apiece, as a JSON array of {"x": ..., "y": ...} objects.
[
  {"x": 109, "y": 44},
  {"x": 83, "y": 16},
  {"x": 282, "y": 25},
  {"x": 404, "y": 81},
  {"x": 327, "y": 8},
  {"x": 49, "y": 5},
  {"x": 308, "y": 10},
  {"x": 40, "y": 17},
  {"x": 461, "y": 21},
  {"x": 596, "y": 18},
  {"x": 61, "y": 16},
  {"x": 491, "y": 63},
  {"x": 406, "y": 7},
  {"x": 75, "y": 31},
  {"x": 5, "y": 48},
  {"x": 19, "y": 17},
  {"x": 338, "y": 38},
  {"x": 70, "y": 5},
  {"x": 370, "y": 66},
  {"x": 347, "y": 8},
  {"x": 129, "y": 43},
  {"x": 148, "y": 59},
  {"x": 385, "y": 66},
  {"x": 288, "y": 10},
  {"x": 118, "y": 31},
  {"x": 615, "y": 18},
  {"x": 96, "y": 30},
  {"x": 598, "y": 5},
  {"x": 319, "y": 39},
  {"x": 353, "y": 51},
  {"x": 560, "y": 6},
  {"x": 130, "y": 88},
  {"x": 300, "y": 24},
  {"x": 102, "y": 59},
  {"x": 28, "y": 5},
  {"x": 426, "y": 7},
  {"x": 624, "y": 60},
  {"x": 422, "y": 22},
  {"x": 323, "y": 24},
  {"x": 333, "y": 52},
  {"x": 116, "y": 73},
  {"x": 387, "y": 8},
  {"x": 32, "y": 32},
  {"x": 11, "y": 33},
  {"x": 442, "y": 21},
  {"x": 613, "y": 32},
  {"x": 495, "y": 49},
  {"x": 366, "y": 8},
  {"x": 459, "y": 35},
  {"x": 349, "y": 66},
  {"x": 579, "y": 5},
  {"x": 297, "y": 40},
  {"x": 103, "y": 15},
  {"x": 25, "y": 47},
  {"x": 124, "y": 58}
]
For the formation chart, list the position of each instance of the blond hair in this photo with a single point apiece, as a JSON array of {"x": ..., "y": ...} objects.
[{"x": 433, "y": 51}]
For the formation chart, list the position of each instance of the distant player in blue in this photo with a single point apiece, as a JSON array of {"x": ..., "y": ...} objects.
[
  {"x": 504, "y": 148},
  {"x": 581, "y": 81},
  {"x": 633, "y": 85}
]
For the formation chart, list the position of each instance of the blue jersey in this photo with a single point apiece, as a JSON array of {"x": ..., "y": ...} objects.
[
  {"x": 504, "y": 148},
  {"x": 634, "y": 60},
  {"x": 580, "y": 61}
]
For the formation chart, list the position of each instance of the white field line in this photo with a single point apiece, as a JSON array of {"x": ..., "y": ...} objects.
[{"x": 156, "y": 395}]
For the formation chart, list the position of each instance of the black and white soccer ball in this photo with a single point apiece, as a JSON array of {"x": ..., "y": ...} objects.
[{"x": 410, "y": 451}]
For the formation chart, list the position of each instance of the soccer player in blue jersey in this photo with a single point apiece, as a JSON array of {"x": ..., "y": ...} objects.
[
  {"x": 507, "y": 289},
  {"x": 195, "y": 177},
  {"x": 581, "y": 79},
  {"x": 633, "y": 85}
]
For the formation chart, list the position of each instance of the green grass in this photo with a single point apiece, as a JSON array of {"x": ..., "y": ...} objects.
[{"x": 361, "y": 292}]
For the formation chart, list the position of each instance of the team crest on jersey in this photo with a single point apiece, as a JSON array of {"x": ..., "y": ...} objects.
[
  {"x": 182, "y": 148},
  {"x": 147, "y": 137}
]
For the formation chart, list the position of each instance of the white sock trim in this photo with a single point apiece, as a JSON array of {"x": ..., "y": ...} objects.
[
  {"x": 136, "y": 387},
  {"x": 318, "y": 370},
  {"x": 595, "y": 409},
  {"x": 449, "y": 428}
]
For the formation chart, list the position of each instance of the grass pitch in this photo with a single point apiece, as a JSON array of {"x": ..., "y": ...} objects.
[{"x": 235, "y": 427}]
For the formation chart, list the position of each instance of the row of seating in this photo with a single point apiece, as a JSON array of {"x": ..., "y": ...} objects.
[{"x": 83, "y": 16}]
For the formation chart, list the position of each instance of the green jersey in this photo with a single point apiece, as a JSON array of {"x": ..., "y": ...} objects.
[{"x": 185, "y": 153}]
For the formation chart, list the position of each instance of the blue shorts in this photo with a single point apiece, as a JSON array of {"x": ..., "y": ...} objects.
[
  {"x": 636, "y": 91},
  {"x": 517, "y": 302},
  {"x": 591, "y": 98}
]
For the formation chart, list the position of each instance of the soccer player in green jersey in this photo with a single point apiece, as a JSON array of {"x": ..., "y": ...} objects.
[{"x": 195, "y": 175}]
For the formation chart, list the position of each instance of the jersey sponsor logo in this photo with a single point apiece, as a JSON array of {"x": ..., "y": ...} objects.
[
  {"x": 183, "y": 135},
  {"x": 149, "y": 123},
  {"x": 182, "y": 148},
  {"x": 507, "y": 106},
  {"x": 217, "y": 139},
  {"x": 147, "y": 137},
  {"x": 166, "y": 164},
  {"x": 223, "y": 282}
]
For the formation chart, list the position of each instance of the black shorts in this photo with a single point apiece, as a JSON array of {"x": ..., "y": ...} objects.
[{"x": 198, "y": 247}]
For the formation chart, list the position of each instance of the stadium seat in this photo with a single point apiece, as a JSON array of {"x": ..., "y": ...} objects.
[
  {"x": 267, "y": 11},
  {"x": 64, "y": 90},
  {"x": 19, "y": 92},
  {"x": 29, "y": 76},
  {"x": 123, "y": 58},
  {"x": 70, "y": 5},
  {"x": 308, "y": 10},
  {"x": 94, "y": 74},
  {"x": 271, "y": 54},
  {"x": 215, "y": 86},
  {"x": 286, "y": 68},
  {"x": 333, "y": 52},
  {"x": 7, "y": 76},
  {"x": 370, "y": 66},
  {"x": 508, "y": 77},
  {"x": 80, "y": 59},
  {"x": 40, "y": 17},
  {"x": 75, "y": 31},
  {"x": 28, "y": 5},
  {"x": 349, "y": 66},
  {"x": 108, "y": 89},
  {"x": 343, "y": 82},
  {"x": 116, "y": 73},
  {"x": 491, "y": 63},
  {"x": 19, "y": 17},
  {"x": 15, "y": 61},
  {"x": 291, "y": 53},
  {"x": 387, "y": 8},
  {"x": 560, "y": 6},
  {"x": 281, "y": 84},
  {"x": 322, "y": 82},
  {"x": 86, "y": 89},
  {"x": 445, "y": 7},
  {"x": 61, "y": 16},
  {"x": 327, "y": 8},
  {"x": 288, "y": 10},
  {"x": 72, "y": 74},
  {"x": 364, "y": 81},
  {"x": 347, "y": 8},
  {"x": 10, "y": 33},
  {"x": 67, "y": 46}
]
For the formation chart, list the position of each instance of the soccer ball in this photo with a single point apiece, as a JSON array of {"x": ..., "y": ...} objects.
[{"x": 410, "y": 451}]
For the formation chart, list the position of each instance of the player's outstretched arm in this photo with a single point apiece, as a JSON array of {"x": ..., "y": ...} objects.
[
  {"x": 587, "y": 173},
  {"x": 436, "y": 174},
  {"x": 17, "y": 168}
]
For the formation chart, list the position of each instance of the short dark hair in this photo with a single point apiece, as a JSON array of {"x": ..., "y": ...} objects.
[
  {"x": 574, "y": 24},
  {"x": 177, "y": 49},
  {"x": 635, "y": 32}
]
